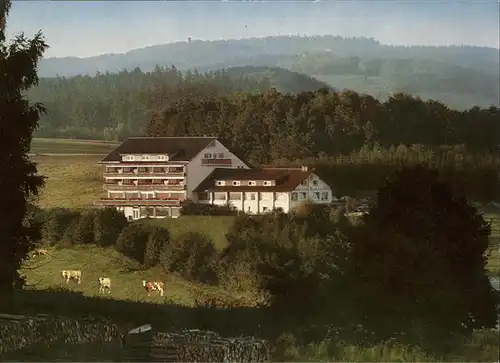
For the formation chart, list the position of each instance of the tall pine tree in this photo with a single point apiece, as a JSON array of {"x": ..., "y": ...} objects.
[{"x": 19, "y": 182}]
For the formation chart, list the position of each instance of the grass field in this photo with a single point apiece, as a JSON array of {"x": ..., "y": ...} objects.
[
  {"x": 66, "y": 146},
  {"x": 44, "y": 272},
  {"x": 71, "y": 181}
]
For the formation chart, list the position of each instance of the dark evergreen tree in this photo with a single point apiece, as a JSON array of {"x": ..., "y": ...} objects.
[{"x": 19, "y": 182}]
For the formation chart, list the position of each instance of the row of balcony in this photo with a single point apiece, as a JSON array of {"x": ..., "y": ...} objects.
[
  {"x": 114, "y": 186},
  {"x": 143, "y": 173},
  {"x": 138, "y": 201}
]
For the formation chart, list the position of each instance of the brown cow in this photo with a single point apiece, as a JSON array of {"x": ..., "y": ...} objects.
[{"x": 153, "y": 286}]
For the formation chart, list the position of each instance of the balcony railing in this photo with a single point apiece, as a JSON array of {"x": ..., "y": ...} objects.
[
  {"x": 111, "y": 186},
  {"x": 216, "y": 162},
  {"x": 144, "y": 173},
  {"x": 138, "y": 201}
]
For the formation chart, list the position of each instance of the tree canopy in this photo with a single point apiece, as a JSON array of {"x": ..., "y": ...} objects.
[
  {"x": 421, "y": 252},
  {"x": 19, "y": 181}
]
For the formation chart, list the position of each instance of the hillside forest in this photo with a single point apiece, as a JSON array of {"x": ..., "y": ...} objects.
[{"x": 459, "y": 76}]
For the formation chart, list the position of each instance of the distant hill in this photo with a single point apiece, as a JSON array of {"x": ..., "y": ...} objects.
[{"x": 460, "y": 76}]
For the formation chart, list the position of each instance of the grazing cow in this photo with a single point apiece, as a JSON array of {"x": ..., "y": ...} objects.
[
  {"x": 40, "y": 252},
  {"x": 153, "y": 286},
  {"x": 104, "y": 283},
  {"x": 72, "y": 275}
]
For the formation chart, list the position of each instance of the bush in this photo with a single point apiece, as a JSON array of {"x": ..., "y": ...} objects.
[
  {"x": 133, "y": 240},
  {"x": 157, "y": 241},
  {"x": 83, "y": 232},
  {"x": 191, "y": 208},
  {"x": 193, "y": 256},
  {"x": 56, "y": 223},
  {"x": 108, "y": 224}
]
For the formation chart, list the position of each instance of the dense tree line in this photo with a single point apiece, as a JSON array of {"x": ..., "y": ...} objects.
[
  {"x": 114, "y": 106},
  {"x": 269, "y": 126}
]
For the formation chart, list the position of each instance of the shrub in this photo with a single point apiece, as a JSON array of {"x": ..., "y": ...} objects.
[
  {"x": 157, "y": 241},
  {"x": 191, "y": 208},
  {"x": 56, "y": 223},
  {"x": 133, "y": 240},
  {"x": 69, "y": 232},
  {"x": 292, "y": 258},
  {"x": 83, "y": 232},
  {"x": 193, "y": 256},
  {"x": 108, "y": 224}
]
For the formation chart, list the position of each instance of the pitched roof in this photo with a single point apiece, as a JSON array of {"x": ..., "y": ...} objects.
[
  {"x": 180, "y": 148},
  {"x": 286, "y": 179}
]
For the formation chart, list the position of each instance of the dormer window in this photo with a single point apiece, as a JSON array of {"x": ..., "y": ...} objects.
[
  {"x": 220, "y": 183},
  {"x": 267, "y": 183},
  {"x": 236, "y": 183},
  {"x": 128, "y": 158},
  {"x": 251, "y": 183}
]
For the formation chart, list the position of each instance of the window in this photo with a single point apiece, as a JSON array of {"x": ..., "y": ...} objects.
[
  {"x": 234, "y": 196},
  {"x": 241, "y": 167},
  {"x": 203, "y": 196},
  {"x": 161, "y": 157},
  {"x": 303, "y": 195},
  {"x": 267, "y": 183},
  {"x": 221, "y": 155},
  {"x": 295, "y": 196},
  {"x": 265, "y": 196},
  {"x": 219, "y": 196},
  {"x": 304, "y": 182},
  {"x": 220, "y": 183},
  {"x": 252, "y": 196},
  {"x": 324, "y": 195},
  {"x": 145, "y": 157},
  {"x": 236, "y": 183},
  {"x": 316, "y": 195},
  {"x": 315, "y": 183},
  {"x": 206, "y": 156},
  {"x": 251, "y": 183}
]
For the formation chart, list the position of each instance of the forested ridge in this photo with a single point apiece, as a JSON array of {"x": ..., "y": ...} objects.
[
  {"x": 459, "y": 76},
  {"x": 269, "y": 126},
  {"x": 114, "y": 106}
]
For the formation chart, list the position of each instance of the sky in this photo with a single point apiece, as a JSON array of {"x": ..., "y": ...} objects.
[{"x": 89, "y": 28}]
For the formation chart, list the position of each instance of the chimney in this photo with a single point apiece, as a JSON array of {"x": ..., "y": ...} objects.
[{"x": 303, "y": 168}]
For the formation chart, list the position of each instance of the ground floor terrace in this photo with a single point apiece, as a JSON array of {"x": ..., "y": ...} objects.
[{"x": 262, "y": 202}]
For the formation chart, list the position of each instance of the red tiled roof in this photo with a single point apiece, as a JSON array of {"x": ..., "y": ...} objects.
[
  {"x": 180, "y": 148},
  {"x": 286, "y": 179}
]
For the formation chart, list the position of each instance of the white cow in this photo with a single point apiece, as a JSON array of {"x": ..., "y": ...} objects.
[
  {"x": 104, "y": 283},
  {"x": 72, "y": 275}
]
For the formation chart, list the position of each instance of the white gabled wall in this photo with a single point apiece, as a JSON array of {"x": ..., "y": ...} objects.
[
  {"x": 308, "y": 191},
  {"x": 196, "y": 173}
]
